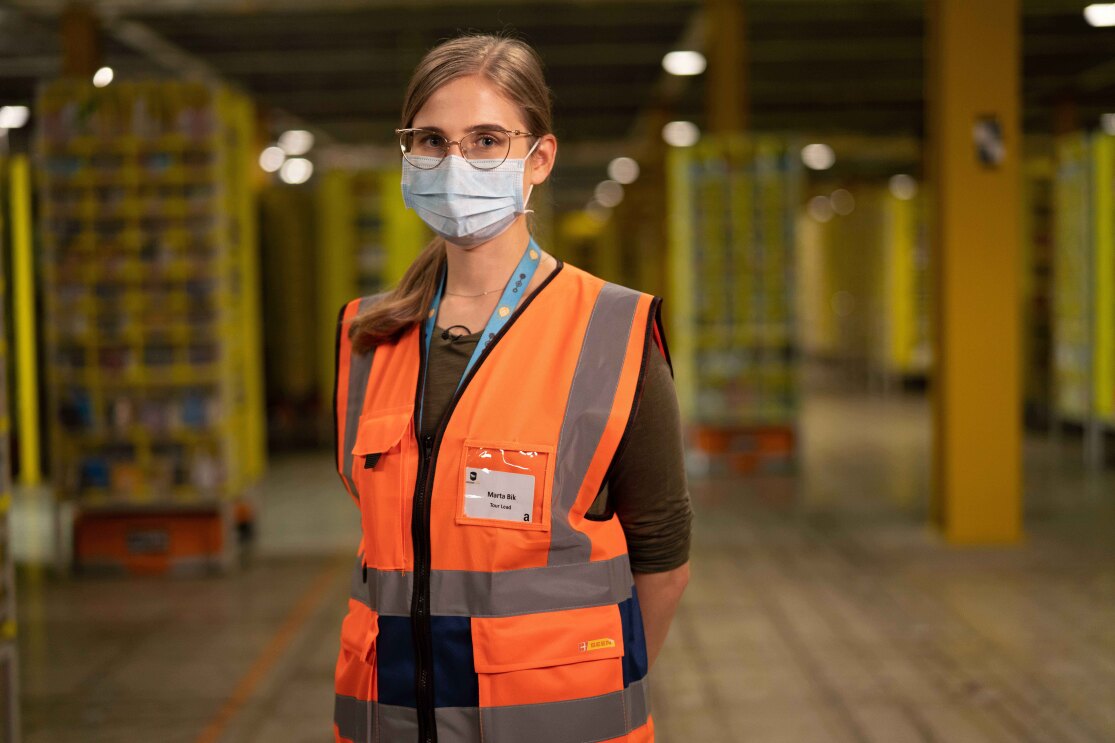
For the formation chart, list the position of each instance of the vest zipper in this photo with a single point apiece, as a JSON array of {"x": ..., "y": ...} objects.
[
  {"x": 420, "y": 604},
  {"x": 420, "y": 527}
]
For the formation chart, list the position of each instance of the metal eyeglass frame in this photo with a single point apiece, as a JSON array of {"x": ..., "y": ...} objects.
[{"x": 512, "y": 133}]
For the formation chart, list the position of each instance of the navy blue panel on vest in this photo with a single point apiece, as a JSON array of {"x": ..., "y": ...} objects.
[
  {"x": 455, "y": 680},
  {"x": 395, "y": 661},
  {"x": 634, "y": 642}
]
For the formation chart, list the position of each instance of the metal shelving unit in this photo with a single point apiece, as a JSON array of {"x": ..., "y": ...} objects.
[{"x": 151, "y": 317}]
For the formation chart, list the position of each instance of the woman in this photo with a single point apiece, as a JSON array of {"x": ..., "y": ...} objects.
[{"x": 508, "y": 426}]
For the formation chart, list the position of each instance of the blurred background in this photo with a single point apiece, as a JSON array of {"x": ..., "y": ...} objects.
[{"x": 884, "y": 231}]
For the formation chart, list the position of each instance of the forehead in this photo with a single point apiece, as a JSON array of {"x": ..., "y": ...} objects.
[{"x": 465, "y": 102}]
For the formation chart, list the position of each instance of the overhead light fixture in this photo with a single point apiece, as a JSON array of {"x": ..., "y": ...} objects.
[
  {"x": 818, "y": 156},
  {"x": 597, "y": 211},
  {"x": 903, "y": 187},
  {"x": 623, "y": 170},
  {"x": 843, "y": 203},
  {"x": 1100, "y": 15},
  {"x": 1107, "y": 123},
  {"x": 296, "y": 170},
  {"x": 296, "y": 142},
  {"x": 14, "y": 117},
  {"x": 820, "y": 208},
  {"x": 271, "y": 159},
  {"x": 103, "y": 77},
  {"x": 608, "y": 193},
  {"x": 681, "y": 133},
  {"x": 684, "y": 63}
]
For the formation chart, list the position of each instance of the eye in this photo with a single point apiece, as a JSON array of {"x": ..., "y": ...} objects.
[{"x": 432, "y": 140}]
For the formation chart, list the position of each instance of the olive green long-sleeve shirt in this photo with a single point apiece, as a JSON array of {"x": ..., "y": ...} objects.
[{"x": 647, "y": 488}]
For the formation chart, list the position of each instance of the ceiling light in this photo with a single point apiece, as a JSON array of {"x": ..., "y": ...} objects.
[
  {"x": 271, "y": 159},
  {"x": 296, "y": 142},
  {"x": 103, "y": 77},
  {"x": 1107, "y": 123},
  {"x": 597, "y": 211},
  {"x": 903, "y": 187},
  {"x": 684, "y": 63},
  {"x": 818, "y": 156},
  {"x": 608, "y": 193},
  {"x": 1100, "y": 14},
  {"x": 296, "y": 170},
  {"x": 623, "y": 170},
  {"x": 820, "y": 208},
  {"x": 843, "y": 203},
  {"x": 13, "y": 117},
  {"x": 681, "y": 133}
]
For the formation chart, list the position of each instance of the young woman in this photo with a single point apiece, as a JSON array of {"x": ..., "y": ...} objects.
[{"x": 508, "y": 426}]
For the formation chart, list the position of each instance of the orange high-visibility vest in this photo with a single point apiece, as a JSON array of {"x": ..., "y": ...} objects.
[{"x": 485, "y": 605}]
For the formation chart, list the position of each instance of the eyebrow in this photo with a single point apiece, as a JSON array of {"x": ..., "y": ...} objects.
[{"x": 473, "y": 128}]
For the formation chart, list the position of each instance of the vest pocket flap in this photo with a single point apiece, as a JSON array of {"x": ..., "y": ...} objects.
[
  {"x": 359, "y": 630},
  {"x": 381, "y": 430},
  {"x": 555, "y": 638}
]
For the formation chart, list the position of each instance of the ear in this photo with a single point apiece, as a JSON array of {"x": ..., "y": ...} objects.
[{"x": 542, "y": 160}]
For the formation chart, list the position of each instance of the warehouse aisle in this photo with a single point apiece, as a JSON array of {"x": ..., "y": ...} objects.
[{"x": 821, "y": 609}]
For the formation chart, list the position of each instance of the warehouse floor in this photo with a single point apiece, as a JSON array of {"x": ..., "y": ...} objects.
[{"x": 821, "y": 609}]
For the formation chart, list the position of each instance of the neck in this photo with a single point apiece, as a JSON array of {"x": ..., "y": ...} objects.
[{"x": 486, "y": 266}]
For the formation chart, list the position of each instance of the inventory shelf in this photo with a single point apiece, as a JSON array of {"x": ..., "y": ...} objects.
[
  {"x": 151, "y": 298},
  {"x": 1083, "y": 352},
  {"x": 9, "y": 671},
  {"x": 733, "y": 202}
]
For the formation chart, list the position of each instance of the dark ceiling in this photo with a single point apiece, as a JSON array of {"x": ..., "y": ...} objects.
[{"x": 339, "y": 66}]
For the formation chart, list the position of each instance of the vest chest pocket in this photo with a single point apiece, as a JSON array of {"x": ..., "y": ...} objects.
[
  {"x": 559, "y": 671},
  {"x": 381, "y": 456},
  {"x": 505, "y": 485}
]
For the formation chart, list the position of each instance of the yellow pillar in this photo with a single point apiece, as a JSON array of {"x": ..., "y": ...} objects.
[
  {"x": 23, "y": 320},
  {"x": 336, "y": 266},
  {"x": 973, "y": 86},
  {"x": 726, "y": 94}
]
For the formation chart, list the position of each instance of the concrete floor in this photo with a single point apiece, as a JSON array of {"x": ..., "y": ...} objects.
[{"x": 821, "y": 609}]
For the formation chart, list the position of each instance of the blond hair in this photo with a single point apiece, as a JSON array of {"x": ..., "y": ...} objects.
[{"x": 515, "y": 69}]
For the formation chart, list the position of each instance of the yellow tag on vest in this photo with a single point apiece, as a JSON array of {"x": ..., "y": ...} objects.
[
  {"x": 503, "y": 496},
  {"x": 602, "y": 644}
]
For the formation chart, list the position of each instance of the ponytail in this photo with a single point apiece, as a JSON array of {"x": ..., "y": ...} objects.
[{"x": 404, "y": 305}]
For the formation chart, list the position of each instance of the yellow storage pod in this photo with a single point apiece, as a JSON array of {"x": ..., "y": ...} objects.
[
  {"x": 151, "y": 317},
  {"x": 732, "y": 207}
]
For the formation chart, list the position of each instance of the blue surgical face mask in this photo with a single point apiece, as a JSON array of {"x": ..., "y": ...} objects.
[{"x": 466, "y": 205}]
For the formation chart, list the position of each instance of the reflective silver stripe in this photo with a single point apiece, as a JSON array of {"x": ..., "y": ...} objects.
[
  {"x": 351, "y": 716},
  {"x": 359, "y": 366},
  {"x": 591, "y": 397},
  {"x": 577, "y": 721},
  {"x": 395, "y": 723},
  {"x": 502, "y": 593},
  {"x": 458, "y": 725},
  {"x": 356, "y": 587},
  {"x": 636, "y": 701}
]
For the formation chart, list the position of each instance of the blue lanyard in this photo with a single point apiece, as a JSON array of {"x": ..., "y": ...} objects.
[{"x": 512, "y": 293}]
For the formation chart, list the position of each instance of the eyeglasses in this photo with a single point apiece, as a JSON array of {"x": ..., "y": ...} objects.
[{"x": 484, "y": 150}]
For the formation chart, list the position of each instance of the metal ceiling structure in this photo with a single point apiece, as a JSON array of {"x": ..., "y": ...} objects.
[{"x": 820, "y": 67}]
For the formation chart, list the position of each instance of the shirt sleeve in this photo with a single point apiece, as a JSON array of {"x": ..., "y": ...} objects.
[{"x": 647, "y": 489}]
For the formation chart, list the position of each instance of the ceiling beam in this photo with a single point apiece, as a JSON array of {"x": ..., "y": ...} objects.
[{"x": 107, "y": 8}]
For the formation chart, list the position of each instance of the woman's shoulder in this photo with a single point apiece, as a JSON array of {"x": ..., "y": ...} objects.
[{"x": 580, "y": 275}]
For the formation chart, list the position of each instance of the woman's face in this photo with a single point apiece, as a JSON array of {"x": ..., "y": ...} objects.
[{"x": 471, "y": 102}]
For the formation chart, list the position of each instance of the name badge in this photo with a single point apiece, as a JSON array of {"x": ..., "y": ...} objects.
[{"x": 503, "y": 496}]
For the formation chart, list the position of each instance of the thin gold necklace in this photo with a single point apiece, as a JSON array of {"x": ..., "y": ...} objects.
[{"x": 481, "y": 294}]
